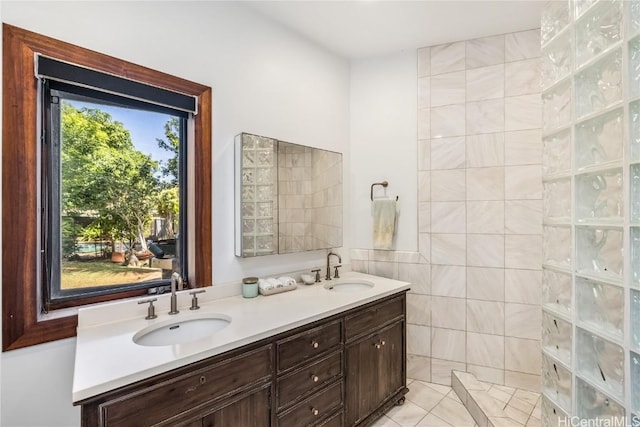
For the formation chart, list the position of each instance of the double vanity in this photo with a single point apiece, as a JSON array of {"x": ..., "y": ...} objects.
[{"x": 329, "y": 354}]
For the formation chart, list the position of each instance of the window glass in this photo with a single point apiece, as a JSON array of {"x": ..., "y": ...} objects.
[{"x": 114, "y": 192}]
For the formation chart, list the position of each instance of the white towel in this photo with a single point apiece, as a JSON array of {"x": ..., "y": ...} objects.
[
  {"x": 287, "y": 281},
  {"x": 265, "y": 285},
  {"x": 275, "y": 282},
  {"x": 384, "y": 223}
]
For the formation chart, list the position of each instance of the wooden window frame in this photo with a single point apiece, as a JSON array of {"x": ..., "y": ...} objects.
[{"x": 21, "y": 326}]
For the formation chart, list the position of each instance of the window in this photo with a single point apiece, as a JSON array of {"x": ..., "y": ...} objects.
[
  {"x": 113, "y": 194},
  {"x": 91, "y": 191}
]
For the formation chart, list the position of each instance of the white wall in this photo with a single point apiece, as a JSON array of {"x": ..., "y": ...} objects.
[
  {"x": 383, "y": 144},
  {"x": 36, "y": 386},
  {"x": 265, "y": 81}
]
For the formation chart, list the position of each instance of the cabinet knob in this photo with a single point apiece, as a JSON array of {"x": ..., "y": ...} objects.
[
  {"x": 383, "y": 342},
  {"x": 377, "y": 345},
  {"x": 314, "y": 378},
  {"x": 314, "y": 411},
  {"x": 315, "y": 344}
]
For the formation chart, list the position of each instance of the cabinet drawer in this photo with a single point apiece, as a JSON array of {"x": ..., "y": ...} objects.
[
  {"x": 309, "y": 378},
  {"x": 314, "y": 409},
  {"x": 335, "y": 421},
  {"x": 177, "y": 395},
  {"x": 371, "y": 318},
  {"x": 308, "y": 344}
]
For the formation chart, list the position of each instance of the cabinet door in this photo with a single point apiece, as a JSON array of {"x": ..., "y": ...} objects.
[
  {"x": 390, "y": 361},
  {"x": 250, "y": 411},
  {"x": 375, "y": 371},
  {"x": 361, "y": 380}
]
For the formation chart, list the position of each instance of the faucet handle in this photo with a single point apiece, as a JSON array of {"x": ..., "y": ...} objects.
[
  {"x": 336, "y": 275},
  {"x": 194, "y": 299},
  {"x": 317, "y": 271},
  {"x": 151, "y": 312}
]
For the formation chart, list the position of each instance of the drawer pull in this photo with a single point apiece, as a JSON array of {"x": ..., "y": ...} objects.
[
  {"x": 314, "y": 411},
  {"x": 315, "y": 344},
  {"x": 314, "y": 378}
]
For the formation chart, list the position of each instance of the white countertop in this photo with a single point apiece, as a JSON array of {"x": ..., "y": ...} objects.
[{"x": 107, "y": 357}]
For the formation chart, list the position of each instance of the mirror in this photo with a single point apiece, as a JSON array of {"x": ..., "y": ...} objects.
[{"x": 288, "y": 197}]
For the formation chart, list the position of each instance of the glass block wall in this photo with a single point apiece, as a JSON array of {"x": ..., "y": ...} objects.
[
  {"x": 259, "y": 191},
  {"x": 591, "y": 204}
]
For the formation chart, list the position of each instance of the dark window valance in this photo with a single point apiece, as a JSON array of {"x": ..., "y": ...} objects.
[{"x": 77, "y": 75}]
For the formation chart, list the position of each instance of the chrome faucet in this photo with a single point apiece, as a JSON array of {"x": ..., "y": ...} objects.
[
  {"x": 176, "y": 282},
  {"x": 328, "y": 276}
]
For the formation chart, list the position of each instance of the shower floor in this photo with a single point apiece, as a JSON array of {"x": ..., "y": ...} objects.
[{"x": 435, "y": 405}]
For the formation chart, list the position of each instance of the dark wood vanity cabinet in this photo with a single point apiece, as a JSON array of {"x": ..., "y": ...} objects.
[
  {"x": 374, "y": 372},
  {"x": 345, "y": 370},
  {"x": 197, "y": 394},
  {"x": 248, "y": 411},
  {"x": 375, "y": 360},
  {"x": 309, "y": 377}
]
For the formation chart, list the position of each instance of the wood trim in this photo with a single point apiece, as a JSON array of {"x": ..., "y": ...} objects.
[
  {"x": 20, "y": 324},
  {"x": 203, "y": 217}
]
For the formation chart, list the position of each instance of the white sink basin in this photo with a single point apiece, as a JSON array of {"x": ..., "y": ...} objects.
[
  {"x": 349, "y": 286},
  {"x": 181, "y": 331}
]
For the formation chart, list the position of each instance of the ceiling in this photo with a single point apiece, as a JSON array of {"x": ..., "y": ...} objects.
[{"x": 360, "y": 29}]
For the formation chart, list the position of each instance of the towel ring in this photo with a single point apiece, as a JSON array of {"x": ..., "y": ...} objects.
[{"x": 385, "y": 184}]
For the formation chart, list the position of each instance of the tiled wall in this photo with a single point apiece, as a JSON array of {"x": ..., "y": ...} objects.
[{"x": 475, "y": 299}]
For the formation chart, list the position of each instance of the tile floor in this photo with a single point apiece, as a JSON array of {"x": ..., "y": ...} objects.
[
  {"x": 435, "y": 405},
  {"x": 520, "y": 405}
]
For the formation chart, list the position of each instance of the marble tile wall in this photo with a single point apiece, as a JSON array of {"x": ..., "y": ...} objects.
[{"x": 475, "y": 301}]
